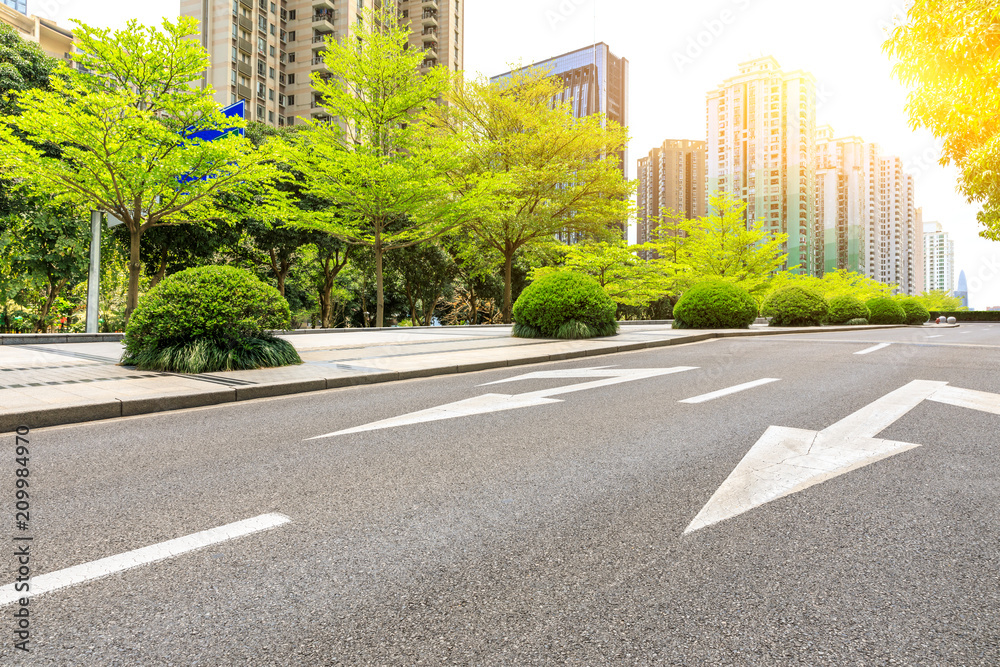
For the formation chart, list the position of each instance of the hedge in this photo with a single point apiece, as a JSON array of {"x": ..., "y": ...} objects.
[
  {"x": 564, "y": 305},
  {"x": 885, "y": 311},
  {"x": 715, "y": 304},
  {"x": 795, "y": 306},
  {"x": 968, "y": 315},
  {"x": 211, "y": 318},
  {"x": 845, "y": 308}
]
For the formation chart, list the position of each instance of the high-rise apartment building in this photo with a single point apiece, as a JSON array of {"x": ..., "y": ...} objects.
[
  {"x": 893, "y": 232},
  {"x": 671, "y": 180},
  {"x": 54, "y": 41},
  {"x": 761, "y": 132},
  {"x": 265, "y": 51},
  {"x": 595, "y": 80},
  {"x": 841, "y": 204},
  {"x": 939, "y": 259}
]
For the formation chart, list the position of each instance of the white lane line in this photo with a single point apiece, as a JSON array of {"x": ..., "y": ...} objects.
[
  {"x": 730, "y": 390},
  {"x": 79, "y": 574},
  {"x": 937, "y": 336},
  {"x": 874, "y": 348}
]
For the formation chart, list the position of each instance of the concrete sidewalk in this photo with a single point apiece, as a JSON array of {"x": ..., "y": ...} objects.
[{"x": 47, "y": 384}]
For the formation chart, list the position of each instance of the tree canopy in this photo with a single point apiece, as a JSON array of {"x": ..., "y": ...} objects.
[{"x": 948, "y": 51}]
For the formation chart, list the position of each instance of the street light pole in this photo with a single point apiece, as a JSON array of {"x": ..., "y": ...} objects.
[{"x": 94, "y": 279}]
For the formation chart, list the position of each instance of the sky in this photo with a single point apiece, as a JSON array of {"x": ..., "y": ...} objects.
[{"x": 678, "y": 50}]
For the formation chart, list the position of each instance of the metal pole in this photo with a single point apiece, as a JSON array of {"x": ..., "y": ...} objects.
[{"x": 94, "y": 279}]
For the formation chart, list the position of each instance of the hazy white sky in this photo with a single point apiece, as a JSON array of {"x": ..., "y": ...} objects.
[{"x": 680, "y": 49}]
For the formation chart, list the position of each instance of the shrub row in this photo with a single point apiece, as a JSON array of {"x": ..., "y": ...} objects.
[{"x": 968, "y": 315}]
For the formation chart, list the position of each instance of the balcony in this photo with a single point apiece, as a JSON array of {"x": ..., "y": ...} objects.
[
  {"x": 245, "y": 46},
  {"x": 323, "y": 4},
  {"x": 431, "y": 49},
  {"x": 429, "y": 18},
  {"x": 246, "y": 24},
  {"x": 243, "y": 91},
  {"x": 244, "y": 69},
  {"x": 318, "y": 63},
  {"x": 323, "y": 21}
]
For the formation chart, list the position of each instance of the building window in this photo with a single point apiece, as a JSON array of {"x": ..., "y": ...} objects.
[
  {"x": 234, "y": 54},
  {"x": 270, "y": 72},
  {"x": 270, "y": 94},
  {"x": 272, "y": 50},
  {"x": 291, "y": 100},
  {"x": 273, "y": 30},
  {"x": 234, "y": 76},
  {"x": 270, "y": 116},
  {"x": 260, "y": 112},
  {"x": 291, "y": 57},
  {"x": 291, "y": 36},
  {"x": 291, "y": 78},
  {"x": 274, "y": 8},
  {"x": 291, "y": 14}
]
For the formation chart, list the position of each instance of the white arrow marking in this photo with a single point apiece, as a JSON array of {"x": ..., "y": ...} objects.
[
  {"x": 499, "y": 402},
  {"x": 967, "y": 398},
  {"x": 788, "y": 460}
]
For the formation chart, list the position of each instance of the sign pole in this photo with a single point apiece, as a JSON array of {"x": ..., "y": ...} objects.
[{"x": 94, "y": 279}]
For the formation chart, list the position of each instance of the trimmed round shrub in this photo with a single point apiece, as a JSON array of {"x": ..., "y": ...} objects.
[
  {"x": 212, "y": 318},
  {"x": 915, "y": 311},
  {"x": 845, "y": 308},
  {"x": 795, "y": 306},
  {"x": 884, "y": 310},
  {"x": 564, "y": 305},
  {"x": 715, "y": 304},
  {"x": 858, "y": 322}
]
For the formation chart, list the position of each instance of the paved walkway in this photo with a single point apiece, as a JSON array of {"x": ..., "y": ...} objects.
[{"x": 49, "y": 384}]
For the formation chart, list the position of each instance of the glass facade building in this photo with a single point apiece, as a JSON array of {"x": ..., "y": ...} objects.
[{"x": 19, "y": 5}]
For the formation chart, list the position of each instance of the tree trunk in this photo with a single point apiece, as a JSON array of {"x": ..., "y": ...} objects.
[
  {"x": 52, "y": 291},
  {"x": 280, "y": 271},
  {"x": 162, "y": 270},
  {"x": 413, "y": 302},
  {"x": 379, "y": 286},
  {"x": 325, "y": 305},
  {"x": 508, "y": 262},
  {"x": 134, "y": 268},
  {"x": 474, "y": 307}
]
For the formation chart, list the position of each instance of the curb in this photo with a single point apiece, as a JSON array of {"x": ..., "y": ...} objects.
[{"x": 128, "y": 407}]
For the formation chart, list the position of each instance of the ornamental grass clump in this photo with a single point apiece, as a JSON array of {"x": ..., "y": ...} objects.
[
  {"x": 885, "y": 311},
  {"x": 564, "y": 305},
  {"x": 207, "y": 319},
  {"x": 845, "y": 308},
  {"x": 916, "y": 313},
  {"x": 715, "y": 304},
  {"x": 795, "y": 306}
]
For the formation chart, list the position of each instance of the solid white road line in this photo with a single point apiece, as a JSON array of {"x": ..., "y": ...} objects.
[
  {"x": 937, "y": 336},
  {"x": 730, "y": 390},
  {"x": 874, "y": 348},
  {"x": 79, "y": 574}
]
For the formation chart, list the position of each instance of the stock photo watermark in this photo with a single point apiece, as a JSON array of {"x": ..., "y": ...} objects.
[
  {"x": 708, "y": 33},
  {"x": 563, "y": 11}
]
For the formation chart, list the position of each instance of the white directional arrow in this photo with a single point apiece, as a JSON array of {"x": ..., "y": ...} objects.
[
  {"x": 499, "y": 402},
  {"x": 788, "y": 460}
]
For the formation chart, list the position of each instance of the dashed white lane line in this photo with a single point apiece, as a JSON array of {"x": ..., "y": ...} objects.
[
  {"x": 937, "y": 336},
  {"x": 874, "y": 348},
  {"x": 79, "y": 574},
  {"x": 729, "y": 390}
]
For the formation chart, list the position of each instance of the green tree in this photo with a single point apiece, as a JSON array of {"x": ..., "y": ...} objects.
[
  {"x": 426, "y": 272},
  {"x": 384, "y": 172},
  {"x": 23, "y": 66},
  {"x": 947, "y": 52},
  {"x": 626, "y": 278},
  {"x": 121, "y": 123},
  {"x": 549, "y": 173},
  {"x": 722, "y": 245},
  {"x": 940, "y": 301},
  {"x": 52, "y": 246}
]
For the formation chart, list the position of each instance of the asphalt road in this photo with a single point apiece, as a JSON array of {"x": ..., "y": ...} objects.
[{"x": 548, "y": 534}]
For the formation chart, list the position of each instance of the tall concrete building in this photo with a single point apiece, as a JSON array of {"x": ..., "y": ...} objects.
[
  {"x": 939, "y": 259},
  {"x": 893, "y": 232},
  {"x": 841, "y": 204},
  {"x": 54, "y": 41},
  {"x": 761, "y": 131},
  {"x": 595, "y": 80},
  {"x": 265, "y": 51},
  {"x": 672, "y": 178}
]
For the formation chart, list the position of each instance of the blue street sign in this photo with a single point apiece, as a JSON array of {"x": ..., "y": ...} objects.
[{"x": 238, "y": 110}]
